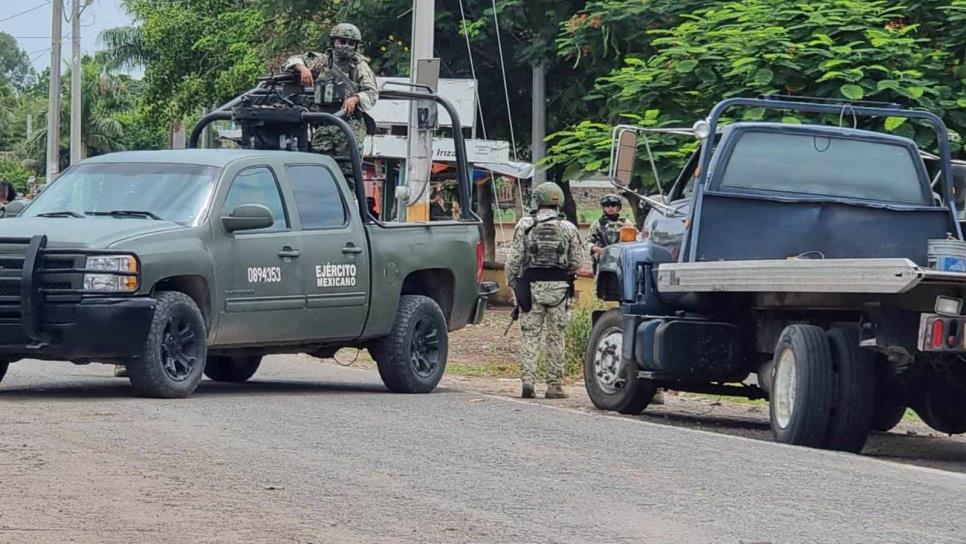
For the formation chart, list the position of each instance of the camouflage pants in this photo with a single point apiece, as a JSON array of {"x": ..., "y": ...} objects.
[
  {"x": 329, "y": 139},
  {"x": 546, "y": 321}
]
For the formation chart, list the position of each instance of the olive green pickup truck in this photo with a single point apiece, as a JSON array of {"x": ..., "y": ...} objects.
[{"x": 183, "y": 263}]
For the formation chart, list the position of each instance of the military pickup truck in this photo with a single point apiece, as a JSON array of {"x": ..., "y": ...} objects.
[
  {"x": 821, "y": 267},
  {"x": 181, "y": 263}
]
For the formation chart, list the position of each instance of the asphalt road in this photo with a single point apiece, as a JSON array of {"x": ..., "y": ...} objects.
[{"x": 316, "y": 453}]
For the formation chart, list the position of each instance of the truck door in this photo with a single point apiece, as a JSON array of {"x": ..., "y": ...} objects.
[
  {"x": 258, "y": 269},
  {"x": 335, "y": 253}
]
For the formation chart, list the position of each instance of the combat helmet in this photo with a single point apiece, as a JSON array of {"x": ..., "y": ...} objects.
[
  {"x": 610, "y": 200},
  {"x": 548, "y": 194},
  {"x": 346, "y": 31}
]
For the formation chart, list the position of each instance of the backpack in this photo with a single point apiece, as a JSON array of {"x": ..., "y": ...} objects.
[{"x": 546, "y": 245}]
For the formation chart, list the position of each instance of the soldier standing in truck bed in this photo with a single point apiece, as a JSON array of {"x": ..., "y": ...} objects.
[{"x": 342, "y": 80}]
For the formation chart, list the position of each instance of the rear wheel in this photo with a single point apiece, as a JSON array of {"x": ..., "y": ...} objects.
[
  {"x": 172, "y": 360},
  {"x": 223, "y": 368},
  {"x": 803, "y": 387},
  {"x": 412, "y": 358},
  {"x": 887, "y": 415},
  {"x": 611, "y": 385},
  {"x": 943, "y": 407},
  {"x": 854, "y": 405}
]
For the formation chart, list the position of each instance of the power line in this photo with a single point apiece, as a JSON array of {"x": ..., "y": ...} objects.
[{"x": 24, "y": 12}]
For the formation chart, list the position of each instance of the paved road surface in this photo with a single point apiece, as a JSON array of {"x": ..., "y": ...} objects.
[{"x": 313, "y": 453}]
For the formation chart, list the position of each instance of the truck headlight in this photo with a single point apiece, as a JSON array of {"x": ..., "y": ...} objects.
[{"x": 108, "y": 282}]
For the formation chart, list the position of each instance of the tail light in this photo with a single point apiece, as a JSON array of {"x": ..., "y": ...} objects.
[
  {"x": 937, "y": 334},
  {"x": 479, "y": 261}
]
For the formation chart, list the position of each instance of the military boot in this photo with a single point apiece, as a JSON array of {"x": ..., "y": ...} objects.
[
  {"x": 556, "y": 392},
  {"x": 528, "y": 392}
]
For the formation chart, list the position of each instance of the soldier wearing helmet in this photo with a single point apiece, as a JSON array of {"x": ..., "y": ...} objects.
[
  {"x": 342, "y": 81},
  {"x": 606, "y": 230},
  {"x": 540, "y": 268}
]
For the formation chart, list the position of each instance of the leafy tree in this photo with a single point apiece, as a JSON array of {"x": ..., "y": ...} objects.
[
  {"x": 839, "y": 49},
  {"x": 102, "y": 96},
  {"x": 14, "y": 63},
  {"x": 15, "y": 173}
]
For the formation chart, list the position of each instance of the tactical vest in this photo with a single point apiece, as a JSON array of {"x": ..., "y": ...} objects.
[
  {"x": 610, "y": 230},
  {"x": 333, "y": 87},
  {"x": 546, "y": 245}
]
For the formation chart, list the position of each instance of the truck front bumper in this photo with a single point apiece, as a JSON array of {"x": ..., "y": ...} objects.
[{"x": 92, "y": 329}]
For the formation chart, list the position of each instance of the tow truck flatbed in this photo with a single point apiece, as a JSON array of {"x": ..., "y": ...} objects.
[{"x": 879, "y": 276}]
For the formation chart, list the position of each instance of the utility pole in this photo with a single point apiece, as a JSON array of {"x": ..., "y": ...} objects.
[
  {"x": 539, "y": 129},
  {"x": 414, "y": 203},
  {"x": 76, "y": 76},
  {"x": 53, "y": 105}
]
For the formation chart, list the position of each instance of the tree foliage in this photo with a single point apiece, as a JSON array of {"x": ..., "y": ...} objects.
[
  {"x": 15, "y": 66},
  {"x": 839, "y": 49}
]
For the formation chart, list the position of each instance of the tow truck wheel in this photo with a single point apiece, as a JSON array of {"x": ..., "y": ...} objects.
[
  {"x": 887, "y": 416},
  {"x": 172, "y": 361},
  {"x": 943, "y": 407},
  {"x": 412, "y": 358},
  {"x": 224, "y": 368},
  {"x": 803, "y": 387},
  {"x": 610, "y": 385},
  {"x": 854, "y": 405}
]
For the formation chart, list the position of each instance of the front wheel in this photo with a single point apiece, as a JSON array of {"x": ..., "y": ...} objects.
[
  {"x": 803, "y": 387},
  {"x": 611, "y": 385},
  {"x": 412, "y": 357},
  {"x": 172, "y": 360},
  {"x": 223, "y": 368}
]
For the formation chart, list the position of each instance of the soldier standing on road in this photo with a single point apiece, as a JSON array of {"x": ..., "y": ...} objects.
[
  {"x": 343, "y": 81},
  {"x": 540, "y": 268},
  {"x": 606, "y": 230}
]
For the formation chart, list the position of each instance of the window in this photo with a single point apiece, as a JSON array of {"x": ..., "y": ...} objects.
[
  {"x": 825, "y": 166},
  {"x": 173, "y": 192},
  {"x": 317, "y": 197},
  {"x": 257, "y": 186}
]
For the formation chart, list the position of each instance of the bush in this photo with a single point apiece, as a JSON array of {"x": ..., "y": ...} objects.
[{"x": 13, "y": 172}]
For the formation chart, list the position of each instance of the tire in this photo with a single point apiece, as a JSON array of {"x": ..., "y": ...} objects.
[
  {"x": 803, "y": 387},
  {"x": 3, "y": 369},
  {"x": 887, "y": 415},
  {"x": 943, "y": 407},
  {"x": 854, "y": 405},
  {"x": 172, "y": 361},
  {"x": 626, "y": 393},
  {"x": 223, "y": 368},
  {"x": 412, "y": 357}
]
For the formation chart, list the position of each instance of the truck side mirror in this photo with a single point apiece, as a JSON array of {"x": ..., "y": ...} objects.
[
  {"x": 959, "y": 184},
  {"x": 626, "y": 155},
  {"x": 248, "y": 217}
]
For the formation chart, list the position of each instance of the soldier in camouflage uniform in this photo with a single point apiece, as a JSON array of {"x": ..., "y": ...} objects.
[
  {"x": 606, "y": 230},
  {"x": 343, "y": 81},
  {"x": 540, "y": 268}
]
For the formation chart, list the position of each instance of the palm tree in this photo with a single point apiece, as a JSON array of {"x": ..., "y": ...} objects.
[{"x": 102, "y": 94}]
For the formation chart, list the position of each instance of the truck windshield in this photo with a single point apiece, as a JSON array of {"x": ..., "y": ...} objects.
[
  {"x": 167, "y": 191},
  {"x": 825, "y": 166}
]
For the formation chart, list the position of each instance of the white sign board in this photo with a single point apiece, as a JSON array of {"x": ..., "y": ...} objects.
[
  {"x": 384, "y": 146},
  {"x": 460, "y": 92}
]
